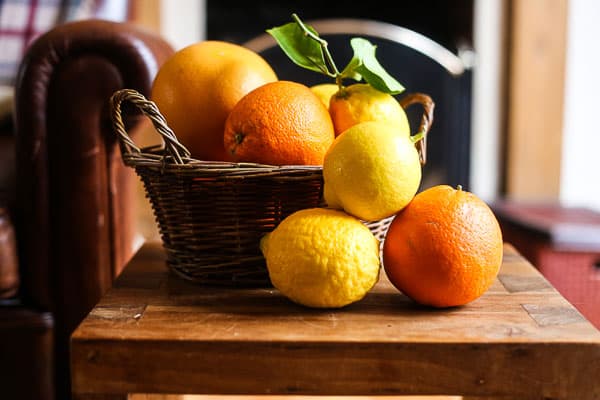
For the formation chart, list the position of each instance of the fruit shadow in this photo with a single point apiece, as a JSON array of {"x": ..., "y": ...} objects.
[{"x": 270, "y": 302}]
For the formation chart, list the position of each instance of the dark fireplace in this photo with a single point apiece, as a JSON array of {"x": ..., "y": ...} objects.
[{"x": 449, "y": 23}]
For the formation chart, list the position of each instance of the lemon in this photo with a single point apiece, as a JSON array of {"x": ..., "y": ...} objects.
[
  {"x": 322, "y": 258},
  {"x": 324, "y": 91},
  {"x": 360, "y": 102},
  {"x": 371, "y": 171}
]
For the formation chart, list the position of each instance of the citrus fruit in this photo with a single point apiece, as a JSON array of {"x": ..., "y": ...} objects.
[
  {"x": 444, "y": 249},
  {"x": 279, "y": 123},
  {"x": 361, "y": 102},
  {"x": 198, "y": 86},
  {"x": 322, "y": 258},
  {"x": 371, "y": 171},
  {"x": 324, "y": 91}
]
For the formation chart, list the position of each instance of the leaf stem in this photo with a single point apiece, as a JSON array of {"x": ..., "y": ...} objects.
[{"x": 334, "y": 72}]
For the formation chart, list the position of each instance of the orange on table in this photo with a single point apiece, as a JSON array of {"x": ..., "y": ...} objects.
[
  {"x": 444, "y": 249},
  {"x": 199, "y": 85},
  {"x": 279, "y": 123}
]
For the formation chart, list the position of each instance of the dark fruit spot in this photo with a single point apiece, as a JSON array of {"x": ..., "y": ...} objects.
[{"x": 239, "y": 138}]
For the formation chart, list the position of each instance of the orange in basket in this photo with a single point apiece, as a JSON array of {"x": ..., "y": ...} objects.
[
  {"x": 200, "y": 84},
  {"x": 279, "y": 123}
]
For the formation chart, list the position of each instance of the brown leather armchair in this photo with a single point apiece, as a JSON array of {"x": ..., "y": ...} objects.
[{"x": 72, "y": 208}]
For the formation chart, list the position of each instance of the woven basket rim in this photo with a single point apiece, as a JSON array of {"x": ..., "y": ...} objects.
[
  {"x": 158, "y": 156},
  {"x": 172, "y": 156}
]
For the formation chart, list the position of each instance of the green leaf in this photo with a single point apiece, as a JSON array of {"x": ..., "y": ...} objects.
[
  {"x": 299, "y": 47},
  {"x": 350, "y": 71},
  {"x": 365, "y": 63}
]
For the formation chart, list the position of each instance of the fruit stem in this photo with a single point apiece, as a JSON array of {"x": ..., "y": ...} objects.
[
  {"x": 339, "y": 82},
  {"x": 417, "y": 136},
  {"x": 330, "y": 64},
  {"x": 459, "y": 188}
]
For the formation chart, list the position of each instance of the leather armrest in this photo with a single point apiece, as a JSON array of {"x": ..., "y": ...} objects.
[
  {"x": 75, "y": 198},
  {"x": 9, "y": 275}
]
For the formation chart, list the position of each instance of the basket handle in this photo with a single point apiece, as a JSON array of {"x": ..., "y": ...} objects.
[
  {"x": 173, "y": 148},
  {"x": 426, "y": 120}
]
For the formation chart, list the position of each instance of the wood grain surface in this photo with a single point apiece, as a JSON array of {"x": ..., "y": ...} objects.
[{"x": 157, "y": 333}]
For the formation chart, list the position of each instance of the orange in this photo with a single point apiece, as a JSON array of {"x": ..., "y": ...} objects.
[
  {"x": 279, "y": 123},
  {"x": 360, "y": 102},
  {"x": 444, "y": 249},
  {"x": 199, "y": 85}
]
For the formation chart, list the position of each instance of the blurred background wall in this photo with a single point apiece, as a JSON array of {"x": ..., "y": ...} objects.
[{"x": 579, "y": 179}]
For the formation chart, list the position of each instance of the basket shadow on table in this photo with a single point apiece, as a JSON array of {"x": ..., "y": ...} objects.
[{"x": 268, "y": 301}]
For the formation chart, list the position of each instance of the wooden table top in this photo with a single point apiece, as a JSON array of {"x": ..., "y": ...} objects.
[{"x": 157, "y": 333}]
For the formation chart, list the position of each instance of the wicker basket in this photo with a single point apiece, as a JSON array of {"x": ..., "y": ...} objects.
[{"x": 211, "y": 215}]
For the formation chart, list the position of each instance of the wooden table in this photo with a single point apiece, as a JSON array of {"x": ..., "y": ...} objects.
[{"x": 156, "y": 333}]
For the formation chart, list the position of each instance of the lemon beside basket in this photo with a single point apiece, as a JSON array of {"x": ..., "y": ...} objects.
[{"x": 211, "y": 215}]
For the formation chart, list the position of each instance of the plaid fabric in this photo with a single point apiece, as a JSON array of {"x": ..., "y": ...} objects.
[{"x": 21, "y": 21}]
